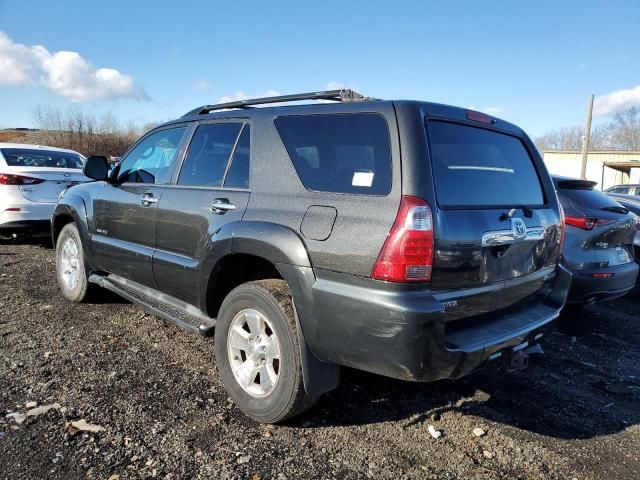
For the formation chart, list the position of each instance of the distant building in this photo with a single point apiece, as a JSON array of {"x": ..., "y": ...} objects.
[{"x": 608, "y": 168}]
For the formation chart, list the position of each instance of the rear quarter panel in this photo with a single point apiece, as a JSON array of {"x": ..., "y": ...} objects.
[{"x": 278, "y": 195}]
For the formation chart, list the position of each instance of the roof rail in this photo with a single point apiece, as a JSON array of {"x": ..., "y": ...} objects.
[{"x": 344, "y": 95}]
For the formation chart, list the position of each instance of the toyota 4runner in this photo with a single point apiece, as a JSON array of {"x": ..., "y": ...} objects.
[{"x": 404, "y": 238}]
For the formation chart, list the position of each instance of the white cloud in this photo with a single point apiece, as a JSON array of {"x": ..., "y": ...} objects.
[
  {"x": 335, "y": 86},
  {"x": 494, "y": 111},
  {"x": 240, "y": 95},
  {"x": 616, "y": 101},
  {"x": 65, "y": 73},
  {"x": 201, "y": 85}
]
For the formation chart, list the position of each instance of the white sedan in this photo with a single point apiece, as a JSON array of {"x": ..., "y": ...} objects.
[{"x": 31, "y": 179}]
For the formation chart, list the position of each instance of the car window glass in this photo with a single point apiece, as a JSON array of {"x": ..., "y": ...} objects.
[
  {"x": 151, "y": 160},
  {"x": 588, "y": 197},
  {"x": 208, "y": 154},
  {"x": 480, "y": 167},
  {"x": 24, "y": 157},
  {"x": 238, "y": 174},
  {"x": 345, "y": 153}
]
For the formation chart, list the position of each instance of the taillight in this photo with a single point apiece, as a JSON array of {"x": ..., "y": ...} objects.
[
  {"x": 586, "y": 223},
  {"x": 563, "y": 226},
  {"x": 407, "y": 253},
  {"x": 8, "y": 179}
]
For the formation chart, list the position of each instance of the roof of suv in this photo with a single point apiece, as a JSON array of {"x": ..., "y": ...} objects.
[{"x": 326, "y": 102}]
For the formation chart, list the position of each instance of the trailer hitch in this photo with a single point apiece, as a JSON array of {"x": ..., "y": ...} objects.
[{"x": 519, "y": 361}]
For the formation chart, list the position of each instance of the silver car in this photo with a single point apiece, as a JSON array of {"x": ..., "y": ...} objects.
[{"x": 31, "y": 179}]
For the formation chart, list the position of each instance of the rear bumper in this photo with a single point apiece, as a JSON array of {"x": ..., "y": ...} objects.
[
  {"x": 400, "y": 333},
  {"x": 586, "y": 288},
  {"x": 39, "y": 226},
  {"x": 25, "y": 215}
]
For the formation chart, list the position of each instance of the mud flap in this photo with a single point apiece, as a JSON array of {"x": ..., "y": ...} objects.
[{"x": 319, "y": 377}]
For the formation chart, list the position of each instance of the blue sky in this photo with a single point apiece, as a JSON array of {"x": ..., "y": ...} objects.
[{"x": 534, "y": 64}]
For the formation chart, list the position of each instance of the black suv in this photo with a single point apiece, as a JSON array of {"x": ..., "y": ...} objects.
[{"x": 404, "y": 238}]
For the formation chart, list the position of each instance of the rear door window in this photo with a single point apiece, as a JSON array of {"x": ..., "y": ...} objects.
[
  {"x": 238, "y": 173},
  {"x": 476, "y": 167},
  {"x": 208, "y": 154},
  {"x": 343, "y": 153}
]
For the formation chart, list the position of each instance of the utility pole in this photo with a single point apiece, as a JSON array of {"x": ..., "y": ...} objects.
[{"x": 585, "y": 142}]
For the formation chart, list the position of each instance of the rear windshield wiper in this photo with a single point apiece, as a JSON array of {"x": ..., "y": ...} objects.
[
  {"x": 615, "y": 209},
  {"x": 526, "y": 210}
]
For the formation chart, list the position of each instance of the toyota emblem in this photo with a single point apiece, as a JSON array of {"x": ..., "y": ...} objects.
[{"x": 518, "y": 228}]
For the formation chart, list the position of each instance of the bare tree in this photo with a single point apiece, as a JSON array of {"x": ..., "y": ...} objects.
[
  {"x": 567, "y": 138},
  {"x": 625, "y": 129},
  {"x": 622, "y": 132},
  {"x": 82, "y": 131}
]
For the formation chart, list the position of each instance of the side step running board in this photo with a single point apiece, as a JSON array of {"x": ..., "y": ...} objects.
[{"x": 171, "y": 309}]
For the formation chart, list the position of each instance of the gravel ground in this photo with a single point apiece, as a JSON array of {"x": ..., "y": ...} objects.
[{"x": 154, "y": 389}]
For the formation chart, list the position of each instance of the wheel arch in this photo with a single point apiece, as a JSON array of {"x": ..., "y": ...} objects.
[
  {"x": 262, "y": 250},
  {"x": 72, "y": 210}
]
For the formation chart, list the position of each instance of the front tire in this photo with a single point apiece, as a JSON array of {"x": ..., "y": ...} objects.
[
  {"x": 70, "y": 265},
  {"x": 258, "y": 352}
]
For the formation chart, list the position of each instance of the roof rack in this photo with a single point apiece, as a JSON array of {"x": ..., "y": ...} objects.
[{"x": 345, "y": 95}]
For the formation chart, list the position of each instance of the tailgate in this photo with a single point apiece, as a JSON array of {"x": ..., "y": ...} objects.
[{"x": 495, "y": 228}]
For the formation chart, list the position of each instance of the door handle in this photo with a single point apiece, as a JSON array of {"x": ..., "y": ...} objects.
[
  {"x": 221, "y": 206},
  {"x": 147, "y": 199}
]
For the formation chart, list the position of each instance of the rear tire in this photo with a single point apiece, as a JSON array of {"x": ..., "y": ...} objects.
[
  {"x": 258, "y": 352},
  {"x": 71, "y": 268}
]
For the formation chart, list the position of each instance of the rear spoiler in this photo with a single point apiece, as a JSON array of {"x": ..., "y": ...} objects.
[{"x": 574, "y": 183}]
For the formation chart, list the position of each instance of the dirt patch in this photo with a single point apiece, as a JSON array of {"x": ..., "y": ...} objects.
[
  {"x": 154, "y": 390},
  {"x": 11, "y": 135}
]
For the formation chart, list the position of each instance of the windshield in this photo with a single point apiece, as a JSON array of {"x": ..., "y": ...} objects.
[
  {"x": 476, "y": 167},
  {"x": 24, "y": 157}
]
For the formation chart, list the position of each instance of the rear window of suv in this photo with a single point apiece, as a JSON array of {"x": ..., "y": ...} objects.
[
  {"x": 476, "y": 167},
  {"x": 343, "y": 153}
]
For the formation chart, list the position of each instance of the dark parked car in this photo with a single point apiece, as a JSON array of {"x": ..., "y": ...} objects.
[
  {"x": 404, "y": 238},
  {"x": 598, "y": 247},
  {"x": 633, "y": 204},
  {"x": 630, "y": 189}
]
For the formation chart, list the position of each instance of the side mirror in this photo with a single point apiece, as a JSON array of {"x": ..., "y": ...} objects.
[{"x": 96, "y": 167}]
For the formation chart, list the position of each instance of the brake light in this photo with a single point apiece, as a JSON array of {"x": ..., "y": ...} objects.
[
  {"x": 8, "y": 179},
  {"x": 407, "y": 253},
  {"x": 480, "y": 117},
  {"x": 586, "y": 223},
  {"x": 563, "y": 226},
  {"x": 602, "y": 275}
]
